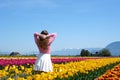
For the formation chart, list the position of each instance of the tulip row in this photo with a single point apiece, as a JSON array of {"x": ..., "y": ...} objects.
[
  {"x": 60, "y": 71},
  {"x": 71, "y": 59},
  {"x": 113, "y": 74},
  {"x": 5, "y": 62},
  {"x": 31, "y": 60}
]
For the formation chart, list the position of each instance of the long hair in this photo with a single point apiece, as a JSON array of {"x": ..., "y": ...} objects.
[{"x": 43, "y": 43}]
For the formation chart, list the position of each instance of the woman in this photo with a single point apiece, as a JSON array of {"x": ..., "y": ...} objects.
[{"x": 43, "y": 41}]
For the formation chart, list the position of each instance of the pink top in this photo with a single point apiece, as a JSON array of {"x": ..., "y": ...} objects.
[{"x": 51, "y": 39}]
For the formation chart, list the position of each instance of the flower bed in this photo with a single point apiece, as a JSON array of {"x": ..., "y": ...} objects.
[
  {"x": 31, "y": 60},
  {"x": 71, "y": 70},
  {"x": 113, "y": 74},
  {"x": 71, "y": 59}
]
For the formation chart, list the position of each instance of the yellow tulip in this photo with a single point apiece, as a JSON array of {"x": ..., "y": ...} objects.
[
  {"x": 22, "y": 67},
  {"x": 29, "y": 78},
  {"x": 70, "y": 74},
  {"x": 66, "y": 76},
  {"x": 21, "y": 79},
  {"x": 6, "y": 68},
  {"x": 13, "y": 66},
  {"x": 10, "y": 79}
]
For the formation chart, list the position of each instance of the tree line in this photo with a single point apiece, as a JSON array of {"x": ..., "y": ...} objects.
[{"x": 103, "y": 53}]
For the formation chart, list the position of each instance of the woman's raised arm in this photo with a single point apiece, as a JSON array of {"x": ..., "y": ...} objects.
[
  {"x": 52, "y": 37},
  {"x": 36, "y": 36}
]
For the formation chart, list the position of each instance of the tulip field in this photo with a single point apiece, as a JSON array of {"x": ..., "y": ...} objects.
[
  {"x": 64, "y": 68},
  {"x": 113, "y": 74}
]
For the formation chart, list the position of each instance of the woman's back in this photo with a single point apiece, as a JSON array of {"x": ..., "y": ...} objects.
[{"x": 42, "y": 46}]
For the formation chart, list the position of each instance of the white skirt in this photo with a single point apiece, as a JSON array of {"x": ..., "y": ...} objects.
[{"x": 43, "y": 63}]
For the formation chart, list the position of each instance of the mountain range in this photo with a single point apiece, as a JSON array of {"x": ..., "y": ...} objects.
[
  {"x": 73, "y": 51},
  {"x": 113, "y": 47}
]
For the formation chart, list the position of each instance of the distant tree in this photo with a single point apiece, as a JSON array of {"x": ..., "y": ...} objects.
[
  {"x": 14, "y": 54},
  {"x": 82, "y": 52},
  {"x": 104, "y": 52},
  {"x": 85, "y": 53}
]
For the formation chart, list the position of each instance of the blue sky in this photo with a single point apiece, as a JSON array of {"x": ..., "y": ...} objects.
[{"x": 78, "y": 23}]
